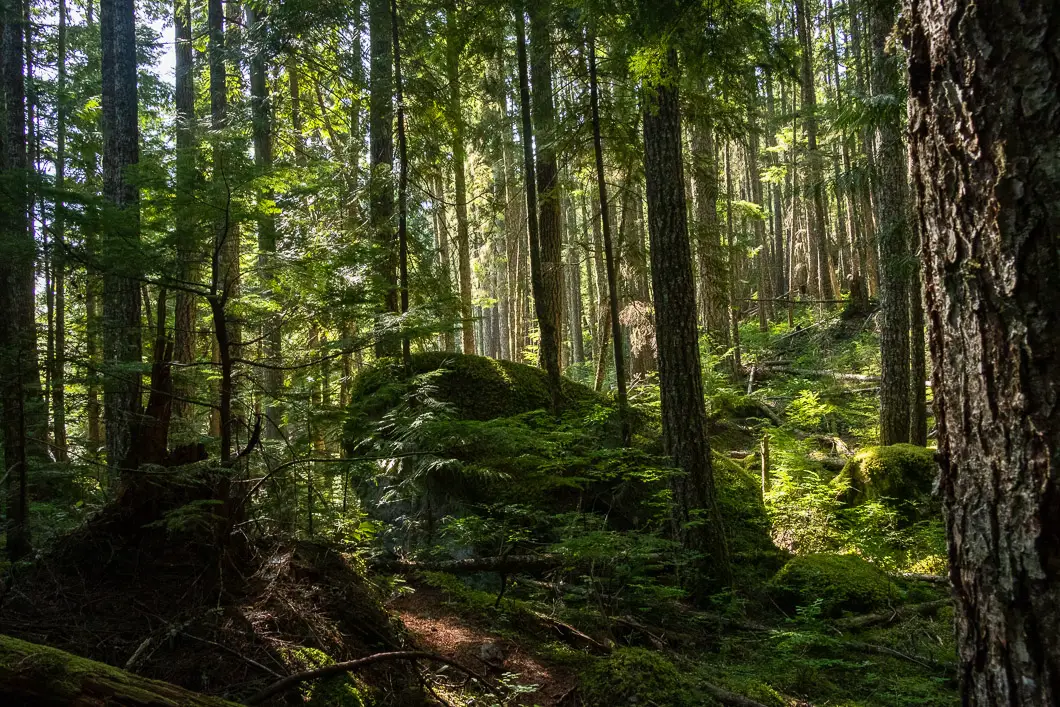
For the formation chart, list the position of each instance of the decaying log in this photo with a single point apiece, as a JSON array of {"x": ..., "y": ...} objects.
[{"x": 40, "y": 676}]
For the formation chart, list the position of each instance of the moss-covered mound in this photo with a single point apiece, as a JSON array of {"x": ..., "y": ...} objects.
[
  {"x": 840, "y": 582},
  {"x": 900, "y": 474},
  {"x": 744, "y": 515},
  {"x": 634, "y": 676},
  {"x": 478, "y": 388}
]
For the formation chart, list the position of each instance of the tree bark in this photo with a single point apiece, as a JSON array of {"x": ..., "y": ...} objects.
[
  {"x": 381, "y": 180},
  {"x": 189, "y": 248},
  {"x": 547, "y": 324},
  {"x": 684, "y": 419},
  {"x": 892, "y": 238},
  {"x": 984, "y": 106},
  {"x": 122, "y": 337},
  {"x": 820, "y": 265},
  {"x": 19, "y": 376},
  {"x": 550, "y": 223}
]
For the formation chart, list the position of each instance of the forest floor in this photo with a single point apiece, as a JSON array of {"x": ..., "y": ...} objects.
[{"x": 844, "y": 623}]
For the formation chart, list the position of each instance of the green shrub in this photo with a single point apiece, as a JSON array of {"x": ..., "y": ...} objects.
[{"x": 838, "y": 582}]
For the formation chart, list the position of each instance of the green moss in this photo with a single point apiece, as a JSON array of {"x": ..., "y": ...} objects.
[
  {"x": 744, "y": 516},
  {"x": 338, "y": 691},
  {"x": 30, "y": 670},
  {"x": 901, "y": 474},
  {"x": 634, "y": 676},
  {"x": 479, "y": 388},
  {"x": 839, "y": 582}
]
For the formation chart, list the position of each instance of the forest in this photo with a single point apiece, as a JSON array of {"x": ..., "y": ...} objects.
[{"x": 564, "y": 353}]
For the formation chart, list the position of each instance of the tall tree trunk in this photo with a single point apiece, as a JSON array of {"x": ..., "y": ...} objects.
[
  {"x": 892, "y": 238},
  {"x": 18, "y": 341},
  {"x": 188, "y": 246},
  {"x": 122, "y": 337},
  {"x": 547, "y": 324},
  {"x": 381, "y": 180},
  {"x": 262, "y": 129},
  {"x": 59, "y": 241},
  {"x": 820, "y": 265},
  {"x": 684, "y": 418},
  {"x": 549, "y": 200},
  {"x": 984, "y": 104},
  {"x": 403, "y": 183},
  {"x": 713, "y": 289},
  {"x": 609, "y": 255},
  {"x": 454, "y": 45}
]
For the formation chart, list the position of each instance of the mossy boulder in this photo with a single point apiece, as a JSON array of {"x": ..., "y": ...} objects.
[
  {"x": 635, "y": 676},
  {"x": 744, "y": 515},
  {"x": 477, "y": 387},
  {"x": 901, "y": 475},
  {"x": 840, "y": 582}
]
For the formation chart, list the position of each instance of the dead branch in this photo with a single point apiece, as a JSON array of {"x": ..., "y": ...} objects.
[{"x": 352, "y": 665}]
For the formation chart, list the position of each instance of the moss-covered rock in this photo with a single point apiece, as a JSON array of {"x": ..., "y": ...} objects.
[
  {"x": 744, "y": 515},
  {"x": 634, "y": 676},
  {"x": 901, "y": 475},
  {"x": 840, "y": 582},
  {"x": 478, "y": 388}
]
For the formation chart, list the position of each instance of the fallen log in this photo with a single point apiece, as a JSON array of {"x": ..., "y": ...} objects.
[
  {"x": 40, "y": 676},
  {"x": 503, "y": 564},
  {"x": 925, "y": 609},
  {"x": 813, "y": 373},
  {"x": 507, "y": 564}
]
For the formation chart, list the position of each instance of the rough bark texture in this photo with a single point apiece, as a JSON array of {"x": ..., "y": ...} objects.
[
  {"x": 984, "y": 103},
  {"x": 549, "y": 218},
  {"x": 684, "y": 418},
  {"x": 19, "y": 378},
  {"x": 122, "y": 335},
  {"x": 892, "y": 238},
  {"x": 381, "y": 180}
]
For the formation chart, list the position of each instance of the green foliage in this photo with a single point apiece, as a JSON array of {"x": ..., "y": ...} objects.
[{"x": 838, "y": 582}]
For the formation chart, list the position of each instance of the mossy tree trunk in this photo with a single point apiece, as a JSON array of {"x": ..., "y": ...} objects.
[{"x": 39, "y": 676}]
